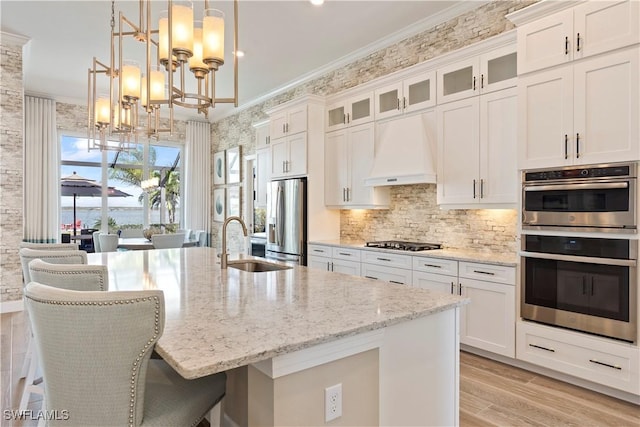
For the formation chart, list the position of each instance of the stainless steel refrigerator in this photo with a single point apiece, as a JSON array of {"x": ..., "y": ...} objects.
[{"x": 287, "y": 221}]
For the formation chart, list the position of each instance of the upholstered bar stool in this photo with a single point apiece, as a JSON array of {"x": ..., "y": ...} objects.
[
  {"x": 96, "y": 241},
  {"x": 102, "y": 341},
  {"x": 53, "y": 254},
  {"x": 108, "y": 242},
  {"x": 50, "y": 246}
]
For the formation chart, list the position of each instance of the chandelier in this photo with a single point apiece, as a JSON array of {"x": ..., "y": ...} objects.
[{"x": 139, "y": 91}]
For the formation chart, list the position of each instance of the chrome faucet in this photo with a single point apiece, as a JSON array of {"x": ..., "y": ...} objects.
[{"x": 223, "y": 255}]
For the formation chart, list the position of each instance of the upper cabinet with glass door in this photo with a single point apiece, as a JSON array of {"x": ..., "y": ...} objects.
[
  {"x": 407, "y": 95},
  {"x": 351, "y": 111},
  {"x": 488, "y": 72}
]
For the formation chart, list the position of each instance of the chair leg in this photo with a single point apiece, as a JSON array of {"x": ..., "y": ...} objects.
[
  {"x": 30, "y": 381},
  {"x": 216, "y": 414}
]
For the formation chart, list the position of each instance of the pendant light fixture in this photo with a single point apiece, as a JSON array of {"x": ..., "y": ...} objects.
[{"x": 179, "y": 50}]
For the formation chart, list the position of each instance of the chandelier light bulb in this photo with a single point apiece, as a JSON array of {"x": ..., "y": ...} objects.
[
  {"x": 196, "y": 64},
  {"x": 131, "y": 80},
  {"x": 182, "y": 29},
  {"x": 213, "y": 38}
]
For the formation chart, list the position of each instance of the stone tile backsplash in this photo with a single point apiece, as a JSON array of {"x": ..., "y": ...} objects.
[{"x": 414, "y": 216}]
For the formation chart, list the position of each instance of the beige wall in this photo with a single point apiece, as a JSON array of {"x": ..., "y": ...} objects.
[{"x": 298, "y": 399}]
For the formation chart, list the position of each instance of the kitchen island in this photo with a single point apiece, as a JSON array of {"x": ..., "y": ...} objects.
[{"x": 393, "y": 349}]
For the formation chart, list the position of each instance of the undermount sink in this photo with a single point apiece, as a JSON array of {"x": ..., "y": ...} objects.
[{"x": 254, "y": 266}]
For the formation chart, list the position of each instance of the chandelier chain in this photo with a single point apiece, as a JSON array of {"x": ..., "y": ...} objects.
[{"x": 113, "y": 14}]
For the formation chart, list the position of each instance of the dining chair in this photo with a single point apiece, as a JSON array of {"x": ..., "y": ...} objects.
[
  {"x": 197, "y": 235},
  {"x": 50, "y": 246},
  {"x": 165, "y": 241},
  {"x": 96, "y": 241},
  {"x": 102, "y": 341},
  {"x": 108, "y": 242},
  {"x": 203, "y": 238},
  {"x": 30, "y": 365},
  {"x": 186, "y": 232}
]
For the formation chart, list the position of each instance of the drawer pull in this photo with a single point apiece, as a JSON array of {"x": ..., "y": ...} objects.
[
  {"x": 371, "y": 277},
  {"x": 343, "y": 253},
  {"x": 432, "y": 265},
  {"x": 384, "y": 259},
  {"x": 318, "y": 250},
  {"x": 605, "y": 364},
  {"x": 542, "y": 348},
  {"x": 484, "y": 272},
  {"x": 399, "y": 283}
]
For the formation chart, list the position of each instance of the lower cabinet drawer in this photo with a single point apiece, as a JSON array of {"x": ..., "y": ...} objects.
[
  {"x": 388, "y": 274},
  {"x": 616, "y": 365}
]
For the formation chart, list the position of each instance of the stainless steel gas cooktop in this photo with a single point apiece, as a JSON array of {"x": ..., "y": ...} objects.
[{"x": 403, "y": 246}]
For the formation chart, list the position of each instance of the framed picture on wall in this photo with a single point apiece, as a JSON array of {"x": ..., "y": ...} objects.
[
  {"x": 219, "y": 202},
  {"x": 233, "y": 200},
  {"x": 219, "y": 168},
  {"x": 233, "y": 165}
]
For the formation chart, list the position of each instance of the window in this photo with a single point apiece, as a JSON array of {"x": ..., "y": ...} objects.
[{"x": 126, "y": 205}]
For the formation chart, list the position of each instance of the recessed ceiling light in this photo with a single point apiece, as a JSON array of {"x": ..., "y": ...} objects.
[
  {"x": 317, "y": 2},
  {"x": 239, "y": 53}
]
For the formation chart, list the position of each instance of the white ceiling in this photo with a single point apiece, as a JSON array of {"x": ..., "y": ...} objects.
[{"x": 284, "y": 41}]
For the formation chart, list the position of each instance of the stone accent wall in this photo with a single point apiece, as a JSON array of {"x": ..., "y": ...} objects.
[
  {"x": 11, "y": 172},
  {"x": 414, "y": 216},
  {"x": 486, "y": 21}
]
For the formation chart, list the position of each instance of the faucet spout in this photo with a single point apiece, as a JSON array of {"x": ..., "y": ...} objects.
[{"x": 224, "y": 255}]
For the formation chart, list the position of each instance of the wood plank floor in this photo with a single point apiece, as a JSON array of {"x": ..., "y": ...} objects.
[{"x": 491, "y": 393}]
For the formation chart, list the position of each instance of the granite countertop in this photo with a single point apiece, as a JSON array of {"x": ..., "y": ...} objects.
[
  {"x": 217, "y": 319},
  {"x": 509, "y": 260}
]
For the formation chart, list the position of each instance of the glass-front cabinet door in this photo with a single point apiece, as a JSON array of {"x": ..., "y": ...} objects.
[
  {"x": 388, "y": 100},
  {"x": 350, "y": 112},
  {"x": 419, "y": 92}
]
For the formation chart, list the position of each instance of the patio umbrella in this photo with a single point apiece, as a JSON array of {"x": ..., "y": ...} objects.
[{"x": 78, "y": 186}]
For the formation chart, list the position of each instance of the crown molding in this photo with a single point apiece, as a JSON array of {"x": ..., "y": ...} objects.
[
  {"x": 539, "y": 10},
  {"x": 429, "y": 22},
  {"x": 13, "y": 39}
]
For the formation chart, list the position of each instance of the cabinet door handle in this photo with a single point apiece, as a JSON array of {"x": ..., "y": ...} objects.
[
  {"x": 404, "y": 103},
  {"x": 566, "y": 146},
  {"x": 474, "y": 82},
  {"x": 283, "y": 167},
  {"x": 344, "y": 119},
  {"x": 396, "y": 282},
  {"x": 578, "y": 42},
  {"x": 577, "y": 145},
  {"x": 474, "y": 188},
  {"x": 283, "y": 129},
  {"x": 344, "y": 196},
  {"x": 331, "y": 266},
  {"x": 605, "y": 364},
  {"x": 482, "y": 188},
  {"x": 542, "y": 348},
  {"x": 398, "y": 104},
  {"x": 383, "y": 259},
  {"x": 268, "y": 140},
  {"x": 566, "y": 45},
  {"x": 371, "y": 277},
  {"x": 481, "y": 81},
  {"x": 348, "y": 194},
  {"x": 328, "y": 266},
  {"x": 451, "y": 288},
  {"x": 287, "y": 125},
  {"x": 592, "y": 290},
  {"x": 484, "y": 272},
  {"x": 460, "y": 289},
  {"x": 348, "y": 118}
]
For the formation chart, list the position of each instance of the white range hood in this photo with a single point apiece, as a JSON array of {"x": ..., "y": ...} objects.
[{"x": 405, "y": 151}]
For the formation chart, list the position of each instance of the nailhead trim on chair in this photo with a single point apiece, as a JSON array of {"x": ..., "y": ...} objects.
[
  {"x": 62, "y": 273},
  {"x": 134, "y": 370}
]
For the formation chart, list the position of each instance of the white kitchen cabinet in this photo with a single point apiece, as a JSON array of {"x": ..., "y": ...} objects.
[
  {"x": 407, "y": 95},
  {"x": 491, "y": 71},
  {"x": 588, "y": 29},
  {"x": 349, "y": 157},
  {"x": 612, "y": 363},
  {"x": 262, "y": 136},
  {"x": 488, "y": 321},
  {"x": 477, "y": 150},
  {"x": 263, "y": 176},
  {"x": 581, "y": 113},
  {"x": 339, "y": 260},
  {"x": 289, "y": 156},
  {"x": 288, "y": 122},
  {"x": 435, "y": 274},
  {"x": 394, "y": 268},
  {"x": 352, "y": 111}
]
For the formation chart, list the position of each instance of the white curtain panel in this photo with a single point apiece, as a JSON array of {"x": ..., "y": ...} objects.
[
  {"x": 197, "y": 173},
  {"x": 41, "y": 171}
]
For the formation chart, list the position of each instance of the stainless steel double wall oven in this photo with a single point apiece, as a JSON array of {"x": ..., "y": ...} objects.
[{"x": 586, "y": 283}]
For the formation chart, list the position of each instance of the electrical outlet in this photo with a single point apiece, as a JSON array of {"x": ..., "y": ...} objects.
[{"x": 332, "y": 402}]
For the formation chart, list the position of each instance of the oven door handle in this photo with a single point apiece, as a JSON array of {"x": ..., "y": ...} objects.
[
  {"x": 594, "y": 186},
  {"x": 583, "y": 259}
]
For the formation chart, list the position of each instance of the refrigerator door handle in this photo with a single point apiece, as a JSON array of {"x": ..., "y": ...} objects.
[{"x": 279, "y": 219}]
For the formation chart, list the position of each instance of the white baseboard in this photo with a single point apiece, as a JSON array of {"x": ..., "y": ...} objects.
[{"x": 11, "y": 306}]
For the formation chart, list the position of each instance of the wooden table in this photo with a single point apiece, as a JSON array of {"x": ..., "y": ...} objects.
[
  {"x": 288, "y": 324},
  {"x": 140, "y": 243}
]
